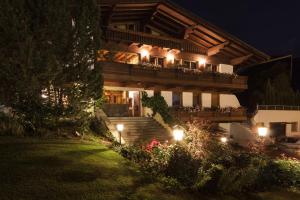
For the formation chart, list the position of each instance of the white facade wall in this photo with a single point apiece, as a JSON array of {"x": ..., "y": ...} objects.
[
  {"x": 150, "y": 93},
  {"x": 225, "y": 127},
  {"x": 187, "y": 99},
  {"x": 229, "y": 100},
  {"x": 168, "y": 97},
  {"x": 282, "y": 116},
  {"x": 223, "y": 68},
  {"x": 206, "y": 100}
]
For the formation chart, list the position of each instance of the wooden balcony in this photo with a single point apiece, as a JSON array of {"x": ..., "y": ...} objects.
[
  {"x": 149, "y": 39},
  {"x": 170, "y": 79},
  {"x": 232, "y": 115}
]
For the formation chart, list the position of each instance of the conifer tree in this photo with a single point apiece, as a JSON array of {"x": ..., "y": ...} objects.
[{"x": 48, "y": 46}]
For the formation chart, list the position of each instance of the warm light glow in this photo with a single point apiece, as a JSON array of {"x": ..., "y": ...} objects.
[
  {"x": 131, "y": 94},
  {"x": 44, "y": 96},
  {"x": 170, "y": 58},
  {"x": 202, "y": 61},
  {"x": 178, "y": 134},
  {"x": 144, "y": 54},
  {"x": 262, "y": 131},
  {"x": 224, "y": 139},
  {"x": 120, "y": 127}
]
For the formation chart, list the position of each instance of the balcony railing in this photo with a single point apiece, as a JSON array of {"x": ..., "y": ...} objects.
[
  {"x": 171, "y": 77},
  {"x": 148, "y": 39},
  {"x": 214, "y": 115},
  {"x": 277, "y": 107}
]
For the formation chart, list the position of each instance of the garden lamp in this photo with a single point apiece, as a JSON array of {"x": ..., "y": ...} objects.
[
  {"x": 120, "y": 128},
  {"x": 262, "y": 131},
  {"x": 224, "y": 139},
  {"x": 178, "y": 133}
]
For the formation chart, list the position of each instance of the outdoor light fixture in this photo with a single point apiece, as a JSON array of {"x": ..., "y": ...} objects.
[
  {"x": 144, "y": 54},
  {"x": 44, "y": 96},
  {"x": 224, "y": 139},
  {"x": 170, "y": 58},
  {"x": 202, "y": 61},
  {"x": 262, "y": 131},
  {"x": 120, "y": 128},
  {"x": 178, "y": 134}
]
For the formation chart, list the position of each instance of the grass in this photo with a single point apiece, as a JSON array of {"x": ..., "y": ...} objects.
[{"x": 68, "y": 169}]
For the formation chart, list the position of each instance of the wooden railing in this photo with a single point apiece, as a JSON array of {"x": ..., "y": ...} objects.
[
  {"x": 119, "y": 72},
  {"x": 239, "y": 114},
  {"x": 116, "y": 110},
  {"x": 148, "y": 39}
]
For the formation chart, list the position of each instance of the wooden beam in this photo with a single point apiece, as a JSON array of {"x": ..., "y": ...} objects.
[
  {"x": 188, "y": 31},
  {"x": 216, "y": 49},
  {"x": 240, "y": 60}
]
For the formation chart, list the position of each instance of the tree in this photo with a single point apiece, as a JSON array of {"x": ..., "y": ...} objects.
[{"x": 50, "y": 47}]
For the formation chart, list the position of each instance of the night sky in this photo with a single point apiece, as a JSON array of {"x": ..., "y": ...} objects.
[{"x": 271, "y": 26}]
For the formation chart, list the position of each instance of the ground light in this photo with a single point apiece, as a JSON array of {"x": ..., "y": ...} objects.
[
  {"x": 178, "y": 133},
  {"x": 120, "y": 128},
  {"x": 224, "y": 139},
  {"x": 262, "y": 131}
]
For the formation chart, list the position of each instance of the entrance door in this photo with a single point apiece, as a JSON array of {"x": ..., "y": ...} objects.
[{"x": 135, "y": 105}]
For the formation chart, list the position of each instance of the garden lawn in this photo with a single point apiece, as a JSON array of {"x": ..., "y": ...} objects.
[{"x": 36, "y": 169}]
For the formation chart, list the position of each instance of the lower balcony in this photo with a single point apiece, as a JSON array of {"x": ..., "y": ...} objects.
[
  {"x": 140, "y": 76},
  {"x": 211, "y": 114}
]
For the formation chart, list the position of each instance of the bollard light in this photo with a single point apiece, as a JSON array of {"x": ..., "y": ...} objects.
[
  {"x": 262, "y": 131},
  {"x": 120, "y": 128},
  {"x": 178, "y": 134},
  {"x": 224, "y": 139}
]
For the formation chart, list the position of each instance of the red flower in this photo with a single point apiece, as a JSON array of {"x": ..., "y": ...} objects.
[{"x": 152, "y": 144}]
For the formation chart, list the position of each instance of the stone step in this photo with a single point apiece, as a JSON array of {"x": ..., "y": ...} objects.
[{"x": 141, "y": 129}]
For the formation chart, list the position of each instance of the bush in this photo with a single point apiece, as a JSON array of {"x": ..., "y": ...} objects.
[
  {"x": 182, "y": 166},
  {"x": 158, "y": 105},
  {"x": 203, "y": 163},
  {"x": 11, "y": 125},
  {"x": 281, "y": 172}
]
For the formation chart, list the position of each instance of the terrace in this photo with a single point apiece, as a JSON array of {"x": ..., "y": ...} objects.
[
  {"x": 174, "y": 78},
  {"x": 227, "y": 114}
]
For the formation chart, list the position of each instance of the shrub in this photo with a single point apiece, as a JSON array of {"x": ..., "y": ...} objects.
[
  {"x": 158, "y": 105},
  {"x": 281, "y": 172},
  {"x": 135, "y": 154},
  {"x": 11, "y": 125},
  {"x": 203, "y": 163},
  {"x": 182, "y": 166}
]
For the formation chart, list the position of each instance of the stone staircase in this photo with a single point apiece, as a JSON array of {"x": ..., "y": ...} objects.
[{"x": 141, "y": 129}]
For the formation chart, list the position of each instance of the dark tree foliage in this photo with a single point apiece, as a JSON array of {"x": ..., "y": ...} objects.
[
  {"x": 269, "y": 84},
  {"x": 49, "y": 47}
]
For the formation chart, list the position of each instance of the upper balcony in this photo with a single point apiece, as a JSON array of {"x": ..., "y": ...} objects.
[
  {"x": 169, "y": 79},
  {"x": 118, "y": 35}
]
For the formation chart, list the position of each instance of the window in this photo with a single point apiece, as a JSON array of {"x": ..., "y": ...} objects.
[
  {"x": 208, "y": 68},
  {"x": 294, "y": 127},
  {"x": 160, "y": 61},
  {"x": 157, "y": 93},
  {"x": 120, "y": 26},
  {"x": 197, "y": 100},
  {"x": 177, "y": 62},
  {"x": 193, "y": 65},
  {"x": 130, "y": 27},
  {"x": 177, "y": 99},
  {"x": 215, "y": 100},
  {"x": 152, "y": 60},
  {"x": 190, "y": 64},
  {"x": 157, "y": 61}
]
